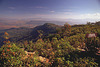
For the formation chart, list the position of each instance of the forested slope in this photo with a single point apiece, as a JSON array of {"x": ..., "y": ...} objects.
[{"x": 65, "y": 46}]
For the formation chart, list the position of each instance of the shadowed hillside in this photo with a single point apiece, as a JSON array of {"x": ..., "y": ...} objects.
[
  {"x": 50, "y": 45},
  {"x": 24, "y": 33}
]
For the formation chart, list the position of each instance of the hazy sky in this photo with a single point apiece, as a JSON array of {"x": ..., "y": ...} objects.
[{"x": 51, "y": 9}]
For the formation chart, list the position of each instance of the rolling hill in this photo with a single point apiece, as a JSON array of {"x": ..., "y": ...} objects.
[{"x": 24, "y": 33}]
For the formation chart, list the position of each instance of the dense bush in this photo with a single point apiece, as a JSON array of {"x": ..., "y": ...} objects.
[
  {"x": 10, "y": 56},
  {"x": 62, "y": 49}
]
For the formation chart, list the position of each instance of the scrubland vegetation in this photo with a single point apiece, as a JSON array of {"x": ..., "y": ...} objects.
[{"x": 68, "y": 47}]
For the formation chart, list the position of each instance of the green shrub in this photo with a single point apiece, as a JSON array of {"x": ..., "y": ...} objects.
[{"x": 11, "y": 55}]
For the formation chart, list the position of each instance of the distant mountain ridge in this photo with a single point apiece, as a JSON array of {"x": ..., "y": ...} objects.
[{"x": 31, "y": 23}]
